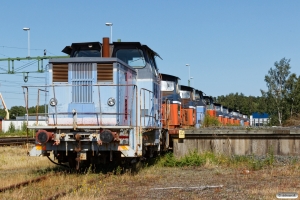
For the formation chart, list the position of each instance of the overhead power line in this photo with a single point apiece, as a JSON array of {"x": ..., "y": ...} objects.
[{"x": 20, "y": 48}]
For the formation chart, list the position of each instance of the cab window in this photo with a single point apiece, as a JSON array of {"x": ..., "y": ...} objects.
[
  {"x": 133, "y": 57},
  {"x": 86, "y": 53},
  {"x": 167, "y": 86},
  {"x": 185, "y": 94}
]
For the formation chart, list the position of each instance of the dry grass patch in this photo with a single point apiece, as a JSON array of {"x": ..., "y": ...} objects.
[
  {"x": 49, "y": 187},
  {"x": 263, "y": 180},
  {"x": 16, "y": 166},
  {"x": 241, "y": 177}
]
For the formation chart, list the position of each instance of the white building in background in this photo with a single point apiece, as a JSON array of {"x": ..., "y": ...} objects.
[
  {"x": 259, "y": 119},
  {"x": 19, "y": 121}
]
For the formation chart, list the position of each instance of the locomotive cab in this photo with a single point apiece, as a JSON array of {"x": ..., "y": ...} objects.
[
  {"x": 231, "y": 117},
  {"x": 171, "y": 103},
  {"x": 235, "y": 117},
  {"x": 210, "y": 109},
  {"x": 188, "y": 106},
  {"x": 246, "y": 120},
  {"x": 200, "y": 107},
  {"x": 225, "y": 115},
  {"x": 171, "y": 107},
  {"x": 219, "y": 113}
]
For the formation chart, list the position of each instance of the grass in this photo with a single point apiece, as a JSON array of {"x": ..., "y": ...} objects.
[
  {"x": 209, "y": 159},
  {"x": 210, "y": 121},
  {"x": 16, "y": 166},
  {"x": 12, "y": 131},
  {"x": 17, "y": 133},
  {"x": 264, "y": 180}
]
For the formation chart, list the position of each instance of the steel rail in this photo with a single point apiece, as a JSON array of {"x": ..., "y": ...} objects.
[
  {"x": 24, "y": 183},
  {"x": 15, "y": 141}
]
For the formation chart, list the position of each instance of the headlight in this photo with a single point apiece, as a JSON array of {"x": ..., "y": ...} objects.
[
  {"x": 53, "y": 102},
  {"x": 111, "y": 101}
]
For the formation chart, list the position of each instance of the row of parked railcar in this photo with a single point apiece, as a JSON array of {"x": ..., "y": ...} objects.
[{"x": 187, "y": 107}]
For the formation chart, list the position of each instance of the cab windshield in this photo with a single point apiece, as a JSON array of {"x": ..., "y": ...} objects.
[
  {"x": 167, "y": 86},
  {"x": 197, "y": 97},
  {"x": 133, "y": 57},
  {"x": 86, "y": 53},
  {"x": 185, "y": 94}
]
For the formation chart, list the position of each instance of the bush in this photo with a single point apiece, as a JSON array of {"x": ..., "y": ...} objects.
[
  {"x": 192, "y": 159},
  {"x": 24, "y": 126},
  {"x": 209, "y": 159},
  {"x": 210, "y": 121},
  {"x": 11, "y": 128}
]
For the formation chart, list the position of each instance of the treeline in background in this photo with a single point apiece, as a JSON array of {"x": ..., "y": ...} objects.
[{"x": 281, "y": 100}]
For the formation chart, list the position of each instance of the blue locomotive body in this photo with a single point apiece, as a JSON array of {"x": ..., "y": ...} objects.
[{"x": 104, "y": 104}]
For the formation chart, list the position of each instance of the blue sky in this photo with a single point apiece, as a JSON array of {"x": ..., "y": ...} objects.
[{"x": 229, "y": 44}]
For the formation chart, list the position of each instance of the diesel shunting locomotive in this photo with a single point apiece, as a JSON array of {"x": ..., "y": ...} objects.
[{"x": 104, "y": 104}]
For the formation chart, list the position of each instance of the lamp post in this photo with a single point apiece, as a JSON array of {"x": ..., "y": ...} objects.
[
  {"x": 110, "y": 24},
  {"x": 189, "y": 74},
  {"x": 28, "y": 31}
]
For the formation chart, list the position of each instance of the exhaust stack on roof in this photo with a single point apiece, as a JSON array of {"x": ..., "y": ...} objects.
[{"x": 105, "y": 50}]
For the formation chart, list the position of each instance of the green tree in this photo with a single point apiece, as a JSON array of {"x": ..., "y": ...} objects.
[
  {"x": 245, "y": 104},
  {"x": 293, "y": 94},
  {"x": 17, "y": 111},
  {"x": 41, "y": 109},
  {"x": 2, "y": 113},
  {"x": 276, "y": 81}
]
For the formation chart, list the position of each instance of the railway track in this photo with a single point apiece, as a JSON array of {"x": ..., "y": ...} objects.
[
  {"x": 43, "y": 179},
  {"x": 24, "y": 183},
  {"x": 7, "y": 141}
]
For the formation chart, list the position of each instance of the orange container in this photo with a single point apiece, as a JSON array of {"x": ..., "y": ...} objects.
[
  {"x": 225, "y": 120},
  {"x": 171, "y": 115},
  {"x": 220, "y": 118},
  {"x": 174, "y": 114},
  {"x": 235, "y": 122},
  {"x": 188, "y": 117},
  {"x": 211, "y": 113}
]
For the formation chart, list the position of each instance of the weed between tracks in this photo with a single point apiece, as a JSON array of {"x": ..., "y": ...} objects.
[
  {"x": 242, "y": 177},
  {"x": 212, "y": 160}
]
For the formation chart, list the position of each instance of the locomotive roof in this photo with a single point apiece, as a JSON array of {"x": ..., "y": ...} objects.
[
  {"x": 217, "y": 104},
  {"x": 169, "y": 77},
  {"x": 208, "y": 98},
  {"x": 186, "y": 88},
  {"x": 134, "y": 44},
  {"x": 97, "y": 45},
  {"x": 82, "y": 45},
  {"x": 199, "y": 91}
]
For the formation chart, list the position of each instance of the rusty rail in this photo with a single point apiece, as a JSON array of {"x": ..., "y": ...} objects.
[
  {"x": 15, "y": 141},
  {"x": 18, "y": 185}
]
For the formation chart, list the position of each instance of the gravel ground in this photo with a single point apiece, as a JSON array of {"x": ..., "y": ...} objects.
[
  {"x": 206, "y": 182},
  {"x": 211, "y": 181},
  {"x": 214, "y": 184}
]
